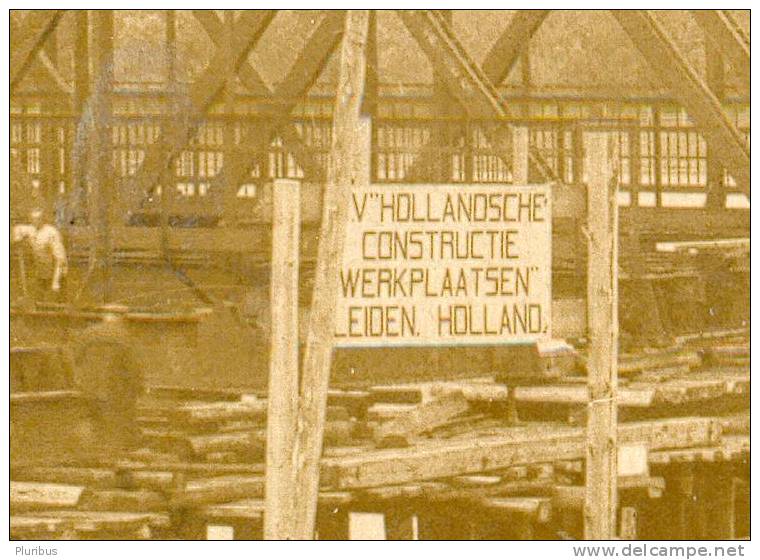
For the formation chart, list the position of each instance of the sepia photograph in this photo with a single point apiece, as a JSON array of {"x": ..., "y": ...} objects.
[{"x": 379, "y": 274}]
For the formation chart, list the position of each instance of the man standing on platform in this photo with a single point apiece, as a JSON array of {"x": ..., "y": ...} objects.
[{"x": 49, "y": 266}]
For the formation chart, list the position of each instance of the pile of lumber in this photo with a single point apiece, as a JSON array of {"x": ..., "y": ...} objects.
[{"x": 200, "y": 467}]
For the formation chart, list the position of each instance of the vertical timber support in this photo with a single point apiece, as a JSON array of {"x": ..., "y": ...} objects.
[
  {"x": 283, "y": 371},
  {"x": 520, "y": 155},
  {"x": 602, "y": 294},
  {"x": 347, "y": 168},
  {"x": 100, "y": 175},
  {"x": 520, "y": 171},
  {"x": 78, "y": 166},
  {"x": 167, "y": 182}
]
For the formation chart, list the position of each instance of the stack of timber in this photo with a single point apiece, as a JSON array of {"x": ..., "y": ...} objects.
[{"x": 435, "y": 451}]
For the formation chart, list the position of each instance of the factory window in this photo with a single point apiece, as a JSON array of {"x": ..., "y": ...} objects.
[
  {"x": 683, "y": 151},
  {"x": 33, "y": 161},
  {"x": 647, "y": 158},
  {"x": 487, "y": 164},
  {"x": 438, "y": 151},
  {"x": 282, "y": 163},
  {"x": 185, "y": 164},
  {"x": 25, "y": 140},
  {"x": 396, "y": 149},
  {"x": 130, "y": 140},
  {"x": 624, "y": 157}
]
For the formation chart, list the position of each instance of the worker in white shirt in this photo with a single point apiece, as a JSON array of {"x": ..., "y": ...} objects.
[{"x": 48, "y": 256}]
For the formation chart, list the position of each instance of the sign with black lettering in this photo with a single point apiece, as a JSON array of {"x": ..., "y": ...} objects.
[{"x": 446, "y": 264}]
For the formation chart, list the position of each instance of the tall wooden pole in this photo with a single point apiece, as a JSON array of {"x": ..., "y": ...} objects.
[
  {"x": 347, "y": 169},
  {"x": 100, "y": 172},
  {"x": 283, "y": 360},
  {"x": 168, "y": 181},
  {"x": 602, "y": 294}
]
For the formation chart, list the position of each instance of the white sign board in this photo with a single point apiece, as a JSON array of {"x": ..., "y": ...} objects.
[{"x": 445, "y": 265}]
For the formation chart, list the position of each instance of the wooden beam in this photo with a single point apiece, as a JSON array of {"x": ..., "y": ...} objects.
[
  {"x": 721, "y": 29},
  {"x": 463, "y": 77},
  {"x": 167, "y": 190},
  {"x": 48, "y": 66},
  {"x": 715, "y": 77},
  {"x": 399, "y": 430},
  {"x": 27, "y": 40},
  {"x": 347, "y": 168},
  {"x": 99, "y": 168},
  {"x": 515, "y": 446},
  {"x": 203, "y": 92},
  {"x": 47, "y": 58},
  {"x": 689, "y": 90},
  {"x": 251, "y": 79},
  {"x": 602, "y": 301},
  {"x": 512, "y": 43},
  {"x": 81, "y": 62},
  {"x": 282, "y": 396},
  {"x": 301, "y": 76}
]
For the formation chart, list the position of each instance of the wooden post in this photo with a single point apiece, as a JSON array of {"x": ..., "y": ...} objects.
[
  {"x": 169, "y": 179},
  {"x": 520, "y": 166},
  {"x": 347, "y": 168},
  {"x": 602, "y": 294},
  {"x": 283, "y": 370},
  {"x": 100, "y": 170},
  {"x": 76, "y": 194},
  {"x": 520, "y": 148}
]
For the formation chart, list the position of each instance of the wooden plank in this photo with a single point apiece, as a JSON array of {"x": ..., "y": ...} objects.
[
  {"x": 689, "y": 89},
  {"x": 422, "y": 418},
  {"x": 108, "y": 521},
  {"x": 207, "y": 469},
  {"x": 27, "y": 39},
  {"x": 706, "y": 244},
  {"x": 77, "y": 476},
  {"x": 602, "y": 300},
  {"x": 40, "y": 495},
  {"x": 347, "y": 168},
  {"x": 123, "y": 500},
  {"x": 283, "y": 371},
  {"x": 515, "y": 446},
  {"x": 251, "y": 509},
  {"x": 249, "y": 443},
  {"x": 40, "y": 528},
  {"x": 218, "y": 490},
  {"x": 219, "y": 412}
]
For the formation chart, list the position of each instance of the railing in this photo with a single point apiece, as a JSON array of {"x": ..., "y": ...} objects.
[{"x": 663, "y": 160}]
